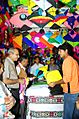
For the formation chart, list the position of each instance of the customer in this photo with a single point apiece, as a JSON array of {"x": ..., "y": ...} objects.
[
  {"x": 21, "y": 71},
  {"x": 6, "y": 99},
  {"x": 70, "y": 79},
  {"x": 52, "y": 65},
  {"x": 10, "y": 78}
]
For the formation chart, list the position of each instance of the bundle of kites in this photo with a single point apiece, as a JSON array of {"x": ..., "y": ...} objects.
[{"x": 50, "y": 76}]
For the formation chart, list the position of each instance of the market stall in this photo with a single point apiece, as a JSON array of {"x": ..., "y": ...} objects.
[{"x": 42, "y": 105}]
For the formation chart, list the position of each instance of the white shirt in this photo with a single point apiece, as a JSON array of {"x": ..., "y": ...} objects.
[
  {"x": 10, "y": 73},
  {"x": 18, "y": 68}
]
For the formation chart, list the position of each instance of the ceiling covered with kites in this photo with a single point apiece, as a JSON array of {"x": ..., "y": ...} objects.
[{"x": 39, "y": 23}]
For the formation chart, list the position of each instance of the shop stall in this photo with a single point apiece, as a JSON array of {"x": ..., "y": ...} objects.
[{"x": 41, "y": 105}]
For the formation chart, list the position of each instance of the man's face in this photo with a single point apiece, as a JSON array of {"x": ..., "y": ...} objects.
[
  {"x": 52, "y": 61},
  {"x": 62, "y": 53},
  {"x": 15, "y": 55}
]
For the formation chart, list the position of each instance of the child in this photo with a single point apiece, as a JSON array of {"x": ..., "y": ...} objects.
[{"x": 21, "y": 71}]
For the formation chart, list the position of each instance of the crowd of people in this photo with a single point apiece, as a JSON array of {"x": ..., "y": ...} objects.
[{"x": 17, "y": 70}]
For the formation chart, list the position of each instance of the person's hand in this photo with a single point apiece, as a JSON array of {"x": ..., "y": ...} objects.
[
  {"x": 21, "y": 80},
  {"x": 9, "y": 102},
  {"x": 9, "y": 99},
  {"x": 10, "y": 105},
  {"x": 32, "y": 78},
  {"x": 52, "y": 84},
  {"x": 12, "y": 99}
]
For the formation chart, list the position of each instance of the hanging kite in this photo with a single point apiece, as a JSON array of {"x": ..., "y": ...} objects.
[
  {"x": 72, "y": 36},
  {"x": 72, "y": 21},
  {"x": 40, "y": 21},
  {"x": 36, "y": 40},
  {"x": 21, "y": 16},
  {"x": 29, "y": 43},
  {"x": 17, "y": 42}
]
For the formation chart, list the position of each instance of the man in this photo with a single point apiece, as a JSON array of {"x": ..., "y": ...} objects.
[
  {"x": 70, "y": 80},
  {"x": 10, "y": 78},
  {"x": 52, "y": 65}
]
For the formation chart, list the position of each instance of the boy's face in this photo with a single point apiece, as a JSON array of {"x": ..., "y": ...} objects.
[
  {"x": 25, "y": 62},
  {"x": 37, "y": 60}
]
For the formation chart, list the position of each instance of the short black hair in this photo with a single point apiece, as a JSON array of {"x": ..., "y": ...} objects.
[
  {"x": 52, "y": 58},
  {"x": 22, "y": 58},
  {"x": 37, "y": 57},
  {"x": 67, "y": 46}
]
